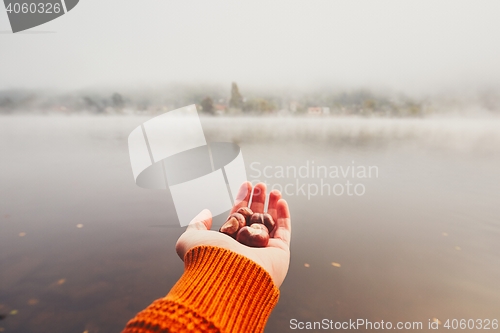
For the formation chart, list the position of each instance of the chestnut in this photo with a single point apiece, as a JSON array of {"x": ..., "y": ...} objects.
[
  {"x": 233, "y": 224},
  {"x": 246, "y": 212},
  {"x": 269, "y": 221},
  {"x": 256, "y": 218},
  {"x": 255, "y": 235},
  {"x": 265, "y": 219}
]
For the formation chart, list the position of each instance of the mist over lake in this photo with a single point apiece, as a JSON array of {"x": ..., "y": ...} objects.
[{"x": 82, "y": 248}]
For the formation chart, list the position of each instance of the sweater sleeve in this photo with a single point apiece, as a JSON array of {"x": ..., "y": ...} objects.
[{"x": 220, "y": 291}]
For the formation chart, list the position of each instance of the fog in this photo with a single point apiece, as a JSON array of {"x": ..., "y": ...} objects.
[
  {"x": 413, "y": 46},
  {"x": 83, "y": 248}
]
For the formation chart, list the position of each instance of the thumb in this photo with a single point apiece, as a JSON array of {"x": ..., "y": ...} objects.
[{"x": 202, "y": 221}]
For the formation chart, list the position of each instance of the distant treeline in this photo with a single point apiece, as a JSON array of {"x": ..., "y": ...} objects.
[{"x": 217, "y": 100}]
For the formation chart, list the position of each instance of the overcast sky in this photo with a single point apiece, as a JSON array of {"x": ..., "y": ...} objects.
[{"x": 409, "y": 46}]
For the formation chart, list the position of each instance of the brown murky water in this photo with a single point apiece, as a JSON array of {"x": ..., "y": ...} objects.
[{"x": 82, "y": 248}]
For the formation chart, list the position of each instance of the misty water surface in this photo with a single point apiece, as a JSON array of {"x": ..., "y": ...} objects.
[{"x": 82, "y": 248}]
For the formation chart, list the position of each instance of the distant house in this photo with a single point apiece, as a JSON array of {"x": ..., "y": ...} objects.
[
  {"x": 318, "y": 110},
  {"x": 220, "y": 108}
]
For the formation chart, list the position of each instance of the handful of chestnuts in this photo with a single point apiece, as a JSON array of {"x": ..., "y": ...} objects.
[{"x": 249, "y": 228}]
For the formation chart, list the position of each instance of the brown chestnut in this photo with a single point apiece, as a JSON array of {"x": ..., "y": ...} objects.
[
  {"x": 255, "y": 235},
  {"x": 256, "y": 218},
  {"x": 233, "y": 224},
  {"x": 246, "y": 212},
  {"x": 268, "y": 221},
  {"x": 265, "y": 219}
]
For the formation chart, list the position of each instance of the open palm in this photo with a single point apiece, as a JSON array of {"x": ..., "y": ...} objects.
[{"x": 274, "y": 258}]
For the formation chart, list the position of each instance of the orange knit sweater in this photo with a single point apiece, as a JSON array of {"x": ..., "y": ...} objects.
[{"x": 220, "y": 291}]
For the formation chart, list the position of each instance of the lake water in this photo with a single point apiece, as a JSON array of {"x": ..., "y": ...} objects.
[{"x": 82, "y": 248}]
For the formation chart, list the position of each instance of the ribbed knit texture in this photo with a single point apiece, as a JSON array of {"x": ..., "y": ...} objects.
[{"x": 220, "y": 291}]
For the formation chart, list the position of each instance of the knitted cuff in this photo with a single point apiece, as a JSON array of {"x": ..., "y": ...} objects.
[{"x": 227, "y": 289}]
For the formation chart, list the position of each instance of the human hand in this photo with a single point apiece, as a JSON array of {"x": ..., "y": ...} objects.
[{"x": 274, "y": 258}]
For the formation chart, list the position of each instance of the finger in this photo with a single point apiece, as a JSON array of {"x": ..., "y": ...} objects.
[
  {"x": 202, "y": 221},
  {"x": 274, "y": 196},
  {"x": 243, "y": 196},
  {"x": 258, "y": 198},
  {"x": 283, "y": 222}
]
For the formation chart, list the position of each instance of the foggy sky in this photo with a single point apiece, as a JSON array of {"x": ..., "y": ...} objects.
[{"x": 410, "y": 46}]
